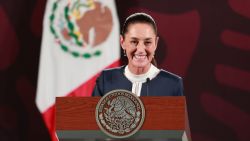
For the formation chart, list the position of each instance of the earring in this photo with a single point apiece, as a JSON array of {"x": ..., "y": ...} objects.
[{"x": 124, "y": 53}]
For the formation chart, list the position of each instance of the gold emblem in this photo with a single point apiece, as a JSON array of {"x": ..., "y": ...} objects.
[{"x": 120, "y": 114}]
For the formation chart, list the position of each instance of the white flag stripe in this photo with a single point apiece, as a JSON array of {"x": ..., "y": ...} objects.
[{"x": 59, "y": 72}]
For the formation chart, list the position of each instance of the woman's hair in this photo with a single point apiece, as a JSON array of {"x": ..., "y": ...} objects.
[{"x": 138, "y": 18}]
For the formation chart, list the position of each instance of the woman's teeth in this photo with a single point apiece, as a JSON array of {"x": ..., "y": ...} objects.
[{"x": 139, "y": 56}]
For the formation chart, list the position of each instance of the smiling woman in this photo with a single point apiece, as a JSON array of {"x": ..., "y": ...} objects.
[{"x": 139, "y": 41}]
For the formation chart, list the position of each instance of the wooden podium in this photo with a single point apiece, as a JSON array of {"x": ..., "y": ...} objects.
[{"x": 165, "y": 120}]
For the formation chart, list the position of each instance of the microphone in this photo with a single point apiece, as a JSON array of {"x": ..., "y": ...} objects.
[{"x": 147, "y": 83}]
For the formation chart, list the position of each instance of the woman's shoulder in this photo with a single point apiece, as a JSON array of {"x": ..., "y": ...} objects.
[
  {"x": 113, "y": 71},
  {"x": 113, "y": 74},
  {"x": 169, "y": 75}
]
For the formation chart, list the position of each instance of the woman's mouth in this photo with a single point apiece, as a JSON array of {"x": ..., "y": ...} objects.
[{"x": 140, "y": 56}]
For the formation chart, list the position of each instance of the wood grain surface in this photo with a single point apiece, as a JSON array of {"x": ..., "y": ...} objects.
[{"x": 161, "y": 113}]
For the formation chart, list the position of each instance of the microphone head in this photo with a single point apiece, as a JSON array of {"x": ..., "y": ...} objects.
[{"x": 147, "y": 80}]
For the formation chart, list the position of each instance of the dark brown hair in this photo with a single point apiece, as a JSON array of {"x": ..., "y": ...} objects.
[{"x": 138, "y": 18}]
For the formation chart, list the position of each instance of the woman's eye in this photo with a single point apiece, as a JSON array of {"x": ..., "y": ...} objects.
[
  {"x": 147, "y": 43},
  {"x": 133, "y": 42}
]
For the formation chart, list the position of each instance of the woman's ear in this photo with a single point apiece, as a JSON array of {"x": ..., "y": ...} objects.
[
  {"x": 156, "y": 41},
  {"x": 122, "y": 42}
]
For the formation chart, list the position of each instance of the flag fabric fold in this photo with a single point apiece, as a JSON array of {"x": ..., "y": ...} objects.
[{"x": 80, "y": 38}]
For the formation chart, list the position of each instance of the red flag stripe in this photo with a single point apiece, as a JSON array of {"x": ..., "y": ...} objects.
[
  {"x": 84, "y": 90},
  {"x": 87, "y": 88}
]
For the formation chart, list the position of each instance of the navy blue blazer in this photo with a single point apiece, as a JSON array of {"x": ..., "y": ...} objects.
[{"x": 164, "y": 84}]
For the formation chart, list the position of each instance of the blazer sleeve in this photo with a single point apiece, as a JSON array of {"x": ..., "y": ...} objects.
[
  {"x": 98, "y": 89},
  {"x": 179, "y": 88}
]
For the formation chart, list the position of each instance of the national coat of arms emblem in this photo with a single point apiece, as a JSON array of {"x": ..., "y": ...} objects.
[
  {"x": 120, "y": 114},
  {"x": 80, "y": 26}
]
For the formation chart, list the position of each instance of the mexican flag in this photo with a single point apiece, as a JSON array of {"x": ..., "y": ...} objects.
[{"x": 80, "y": 39}]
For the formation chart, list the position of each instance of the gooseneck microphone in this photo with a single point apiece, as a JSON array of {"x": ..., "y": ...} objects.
[{"x": 147, "y": 83}]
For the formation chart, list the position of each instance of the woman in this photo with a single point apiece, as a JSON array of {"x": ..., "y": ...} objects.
[{"x": 139, "y": 41}]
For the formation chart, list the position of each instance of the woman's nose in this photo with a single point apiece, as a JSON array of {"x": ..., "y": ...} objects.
[{"x": 140, "y": 47}]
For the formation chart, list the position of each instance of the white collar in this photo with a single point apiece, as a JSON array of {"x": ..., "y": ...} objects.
[{"x": 151, "y": 73}]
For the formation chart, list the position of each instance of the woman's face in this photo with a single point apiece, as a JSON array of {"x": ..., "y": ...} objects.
[{"x": 139, "y": 42}]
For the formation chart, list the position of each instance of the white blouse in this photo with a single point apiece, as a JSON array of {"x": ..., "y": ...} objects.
[{"x": 137, "y": 80}]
